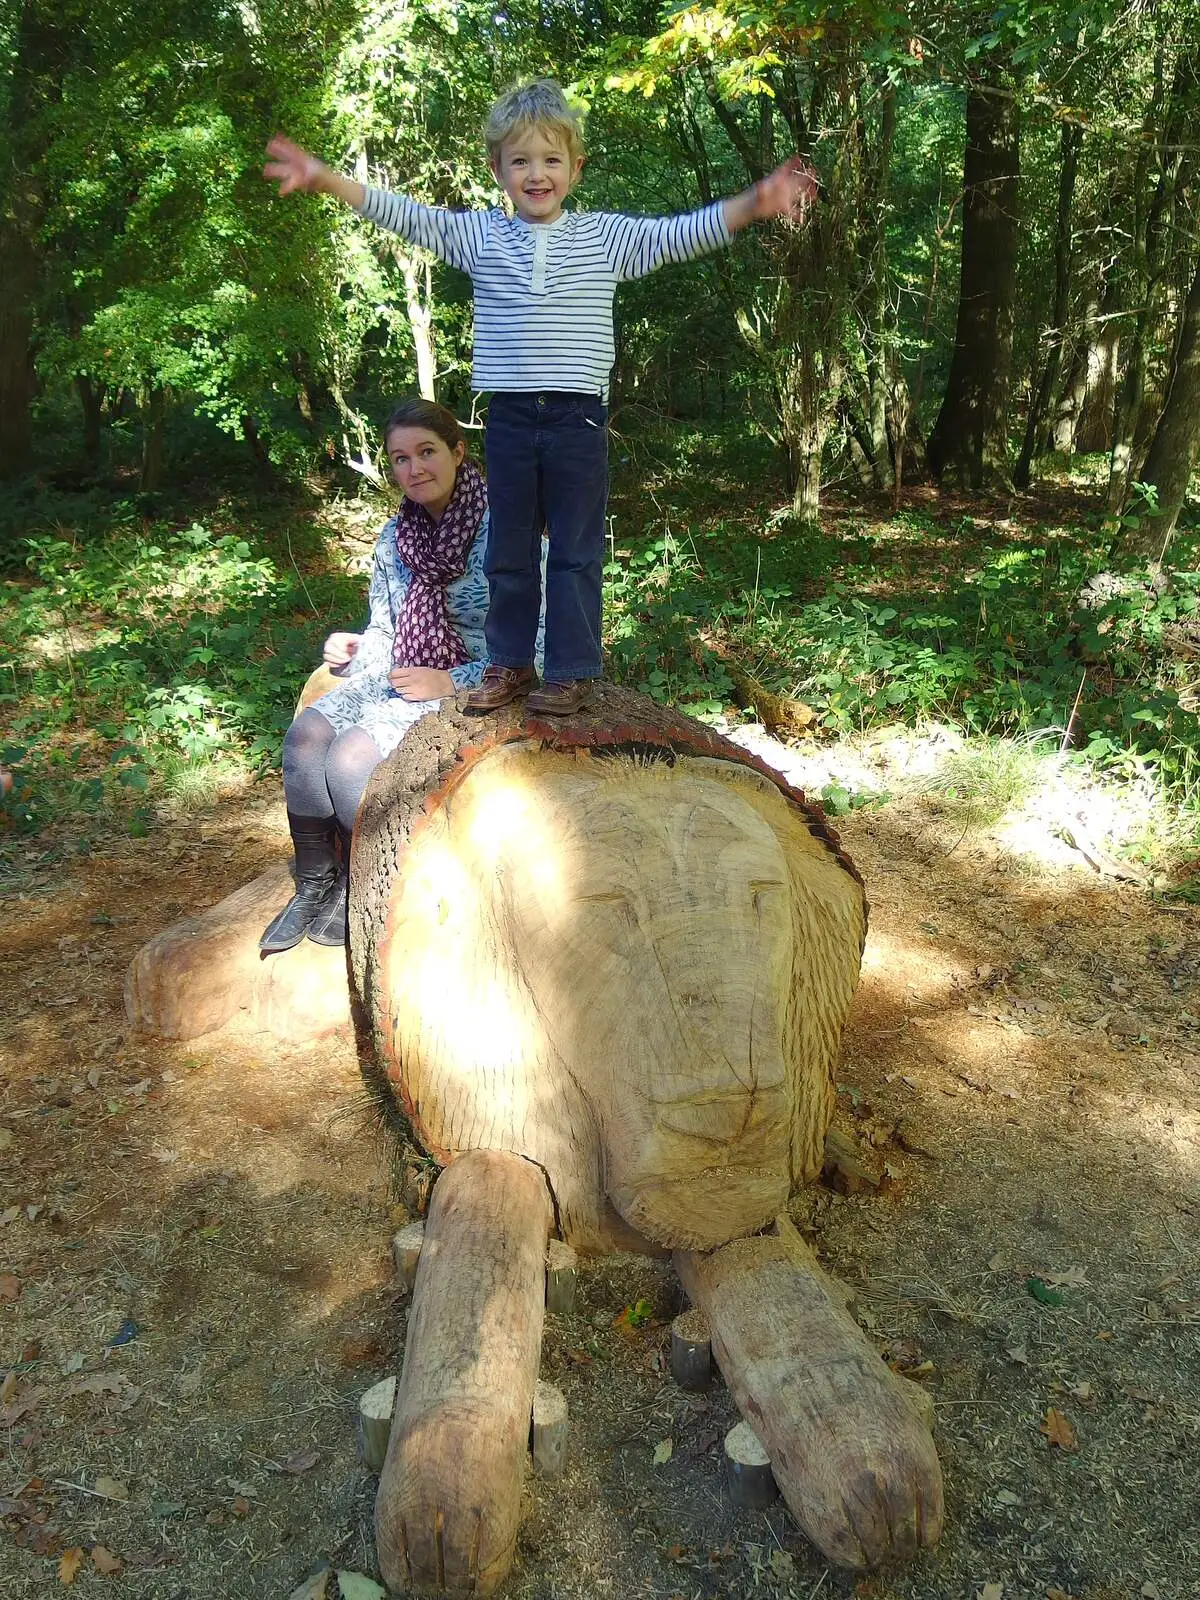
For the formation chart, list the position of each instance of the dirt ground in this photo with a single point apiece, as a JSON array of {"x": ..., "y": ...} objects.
[{"x": 195, "y": 1286}]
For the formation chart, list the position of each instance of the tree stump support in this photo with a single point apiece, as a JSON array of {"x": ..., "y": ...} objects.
[
  {"x": 562, "y": 1276},
  {"x": 407, "y": 1245},
  {"x": 691, "y": 1350},
  {"x": 548, "y": 1436},
  {"x": 375, "y": 1422},
  {"x": 748, "y": 1468}
]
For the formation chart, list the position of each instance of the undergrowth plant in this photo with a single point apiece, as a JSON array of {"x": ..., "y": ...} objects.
[{"x": 151, "y": 660}]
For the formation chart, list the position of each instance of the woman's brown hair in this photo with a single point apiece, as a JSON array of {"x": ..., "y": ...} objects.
[{"x": 416, "y": 413}]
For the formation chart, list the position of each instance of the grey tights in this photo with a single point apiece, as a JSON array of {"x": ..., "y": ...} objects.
[{"x": 325, "y": 773}]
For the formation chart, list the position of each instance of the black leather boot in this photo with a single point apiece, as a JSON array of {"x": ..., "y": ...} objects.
[
  {"x": 329, "y": 924},
  {"x": 316, "y": 874}
]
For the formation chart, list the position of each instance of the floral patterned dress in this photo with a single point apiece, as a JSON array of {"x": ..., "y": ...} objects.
[{"x": 365, "y": 699}]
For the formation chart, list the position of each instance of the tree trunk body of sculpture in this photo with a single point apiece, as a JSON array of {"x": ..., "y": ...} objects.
[{"x": 605, "y": 962}]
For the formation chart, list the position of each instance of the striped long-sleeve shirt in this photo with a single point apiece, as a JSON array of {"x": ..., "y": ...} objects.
[{"x": 544, "y": 292}]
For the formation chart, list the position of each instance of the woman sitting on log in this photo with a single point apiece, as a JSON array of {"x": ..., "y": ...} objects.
[{"x": 423, "y": 640}]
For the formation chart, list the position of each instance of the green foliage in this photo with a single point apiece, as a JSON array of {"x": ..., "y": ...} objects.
[
  {"x": 150, "y": 654},
  {"x": 1003, "y": 644}
]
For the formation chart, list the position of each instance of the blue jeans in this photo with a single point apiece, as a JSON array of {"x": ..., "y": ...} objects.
[{"x": 547, "y": 467}]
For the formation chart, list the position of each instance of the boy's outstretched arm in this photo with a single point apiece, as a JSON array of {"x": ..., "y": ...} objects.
[
  {"x": 786, "y": 192},
  {"x": 295, "y": 169}
]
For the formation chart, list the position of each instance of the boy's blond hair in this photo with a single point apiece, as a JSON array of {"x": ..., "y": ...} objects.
[{"x": 538, "y": 103}]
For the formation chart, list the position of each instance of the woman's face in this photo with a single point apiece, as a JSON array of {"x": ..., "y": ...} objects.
[{"x": 424, "y": 466}]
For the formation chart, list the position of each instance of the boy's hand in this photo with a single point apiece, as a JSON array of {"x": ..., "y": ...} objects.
[
  {"x": 421, "y": 683},
  {"x": 786, "y": 192},
  {"x": 340, "y": 648},
  {"x": 295, "y": 168}
]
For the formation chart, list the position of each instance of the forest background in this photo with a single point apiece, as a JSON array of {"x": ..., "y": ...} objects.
[{"x": 927, "y": 456}]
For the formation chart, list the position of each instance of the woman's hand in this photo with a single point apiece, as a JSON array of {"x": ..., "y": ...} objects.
[
  {"x": 786, "y": 192},
  {"x": 421, "y": 683},
  {"x": 295, "y": 168},
  {"x": 340, "y": 649}
]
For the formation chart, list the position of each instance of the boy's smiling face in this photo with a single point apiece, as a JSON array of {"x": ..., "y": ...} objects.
[{"x": 536, "y": 172}]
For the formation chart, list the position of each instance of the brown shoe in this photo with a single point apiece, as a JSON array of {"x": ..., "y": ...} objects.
[
  {"x": 560, "y": 699},
  {"x": 499, "y": 686}
]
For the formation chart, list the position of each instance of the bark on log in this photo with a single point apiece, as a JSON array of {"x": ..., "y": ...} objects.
[
  {"x": 617, "y": 945},
  {"x": 853, "y": 1461},
  {"x": 449, "y": 1497},
  {"x": 206, "y": 970}
]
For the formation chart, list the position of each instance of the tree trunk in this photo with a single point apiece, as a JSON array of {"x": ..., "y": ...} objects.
[
  {"x": 1054, "y": 335},
  {"x": 1176, "y": 442},
  {"x": 91, "y": 398},
  {"x": 637, "y": 981},
  {"x": 418, "y": 302},
  {"x": 1151, "y": 255},
  {"x": 1083, "y": 421},
  {"x": 154, "y": 410},
  {"x": 18, "y": 275},
  {"x": 880, "y": 333},
  {"x": 254, "y": 444},
  {"x": 969, "y": 442}
]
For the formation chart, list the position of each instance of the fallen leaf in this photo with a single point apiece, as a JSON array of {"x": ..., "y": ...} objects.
[
  {"x": 146, "y": 1560},
  {"x": 187, "y": 1383},
  {"x": 302, "y": 1461},
  {"x": 97, "y": 1383},
  {"x": 1150, "y": 1590},
  {"x": 1082, "y": 1391},
  {"x": 1055, "y": 1593},
  {"x": 1068, "y": 1278},
  {"x": 1007, "y": 1498},
  {"x": 782, "y": 1565},
  {"x": 5, "y": 1138},
  {"x": 9, "y": 1214},
  {"x": 110, "y": 1565},
  {"x": 10, "y": 1286},
  {"x": 1058, "y": 1430},
  {"x": 663, "y": 1451},
  {"x": 9, "y": 1387},
  {"x": 241, "y": 1506},
  {"x": 73, "y": 1363},
  {"x": 69, "y": 1565},
  {"x": 20, "y": 1407},
  {"x": 1018, "y": 1354},
  {"x": 314, "y": 1588},
  {"x": 353, "y": 1586},
  {"x": 991, "y": 1591},
  {"x": 112, "y": 1489}
]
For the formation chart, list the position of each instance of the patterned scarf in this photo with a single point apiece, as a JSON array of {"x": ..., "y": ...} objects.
[{"x": 435, "y": 553}]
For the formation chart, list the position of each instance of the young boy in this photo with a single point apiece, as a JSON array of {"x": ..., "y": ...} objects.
[{"x": 544, "y": 285}]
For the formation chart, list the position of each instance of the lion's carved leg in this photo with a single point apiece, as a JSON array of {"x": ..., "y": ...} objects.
[{"x": 449, "y": 1496}]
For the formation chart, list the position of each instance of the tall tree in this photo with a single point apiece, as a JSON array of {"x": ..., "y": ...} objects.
[
  {"x": 969, "y": 442},
  {"x": 1176, "y": 444}
]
